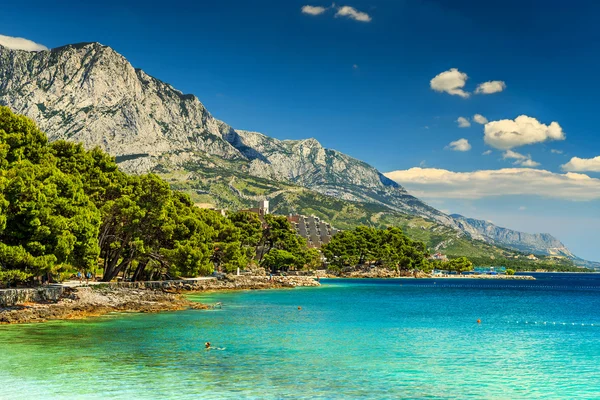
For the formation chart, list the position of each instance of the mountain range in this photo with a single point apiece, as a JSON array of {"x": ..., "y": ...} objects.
[{"x": 89, "y": 93}]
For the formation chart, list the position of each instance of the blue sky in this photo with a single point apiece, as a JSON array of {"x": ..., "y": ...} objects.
[{"x": 361, "y": 82}]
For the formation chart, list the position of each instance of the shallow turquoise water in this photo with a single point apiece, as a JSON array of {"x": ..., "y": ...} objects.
[{"x": 352, "y": 339}]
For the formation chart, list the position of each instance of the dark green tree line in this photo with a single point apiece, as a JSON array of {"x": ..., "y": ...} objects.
[{"x": 389, "y": 248}]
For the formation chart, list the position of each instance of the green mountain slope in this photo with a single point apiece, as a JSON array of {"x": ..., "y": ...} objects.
[{"x": 224, "y": 187}]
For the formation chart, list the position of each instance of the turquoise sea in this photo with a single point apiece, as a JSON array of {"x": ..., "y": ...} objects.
[{"x": 350, "y": 339}]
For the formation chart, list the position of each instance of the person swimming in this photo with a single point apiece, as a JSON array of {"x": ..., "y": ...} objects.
[{"x": 208, "y": 346}]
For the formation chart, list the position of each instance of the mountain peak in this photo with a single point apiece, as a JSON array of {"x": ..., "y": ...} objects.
[
  {"x": 311, "y": 142},
  {"x": 81, "y": 45}
]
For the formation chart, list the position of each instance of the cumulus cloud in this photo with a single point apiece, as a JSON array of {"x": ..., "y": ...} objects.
[
  {"x": 17, "y": 43},
  {"x": 528, "y": 163},
  {"x": 490, "y": 87},
  {"x": 583, "y": 164},
  {"x": 463, "y": 122},
  {"x": 514, "y": 155},
  {"x": 486, "y": 153},
  {"x": 452, "y": 82},
  {"x": 459, "y": 145},
  {"x": 432, "y": 183},
  {"x": 521, "y": 159},
  {"x": 313, "y": 10},
  {"x": 480, "y": 119},
  {"x": 507, "y": 134},
  {"x": 353, "y": 13}
]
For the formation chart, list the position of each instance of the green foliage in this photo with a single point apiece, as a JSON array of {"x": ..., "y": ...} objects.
[
  {"x": 281, "y": 248},
  {"x": 459, "y": 265},
  {"x": 13, "y": 276},
  {"x": 64, "y": 209},
  {"x": 389, "y": 247},
  {"x": 250, "y": 226},
  {"x": 510, "y": 271},
  {"x": 46, "y": 218},
  {"x": 279, "y": 259}
]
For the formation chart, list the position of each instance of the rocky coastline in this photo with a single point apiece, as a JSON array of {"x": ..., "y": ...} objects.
[
  {"x": 384, "y": 273},
  {"x": 146, "y": 297}
]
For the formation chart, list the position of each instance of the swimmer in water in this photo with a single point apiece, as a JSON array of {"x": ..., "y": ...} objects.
[{"x": 207, "y": 346}]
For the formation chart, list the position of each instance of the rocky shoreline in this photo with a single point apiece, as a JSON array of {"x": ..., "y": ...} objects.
[
  {"x": 145, "y": 297},
  {"x": 44, "y": 304},
  {"x": 384, "y": 273}
]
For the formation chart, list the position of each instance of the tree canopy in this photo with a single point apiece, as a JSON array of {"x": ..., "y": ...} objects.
[
  {"x": 389, "y": 247},
  {"x": 64, "y": 208}
]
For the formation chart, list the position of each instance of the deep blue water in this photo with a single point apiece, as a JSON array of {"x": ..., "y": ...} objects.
[{"x": 351, "y": 339}]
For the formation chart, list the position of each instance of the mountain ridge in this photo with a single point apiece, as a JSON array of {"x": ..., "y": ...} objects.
[
  {"x": 87, "y": 92},
  {"x": 525, "y": 242}
]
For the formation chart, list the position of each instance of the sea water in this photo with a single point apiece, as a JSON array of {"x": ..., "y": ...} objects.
[{"x": 397, "y": 338}]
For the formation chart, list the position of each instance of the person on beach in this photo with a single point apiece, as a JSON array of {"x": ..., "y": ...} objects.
[
  {"x": 79, "y": 276},
  {"x": 88, "y": 276}
]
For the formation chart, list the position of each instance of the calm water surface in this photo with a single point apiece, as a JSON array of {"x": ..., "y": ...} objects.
[{"x": 351, "y": 339}]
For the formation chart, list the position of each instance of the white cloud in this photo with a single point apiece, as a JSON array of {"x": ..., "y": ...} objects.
[
  {"x": 521, "y": 159},
  {"x": 431, "y": 183},
  {"x": 463, "y": 122},
  {"x": 583, "y": 164},
  {"x": 353, "y": 13},
  {"x": 522, "y": 208},
  {"x": 459, "y": 145},
  {"x": 507, "y": 134},
  {"x": 480, "y": 119},
  {"x": 17, "y": 43},
  {"x": 490, "y": 87},
  {"x": 514, "y": 155},
  {"x": 486, "y": 153},
  {"x": 451, "y": 82},
  {"x": 555, "y": 151},
  {"x": 528, "y": 163},
  {"x": 313, "y": 10}
]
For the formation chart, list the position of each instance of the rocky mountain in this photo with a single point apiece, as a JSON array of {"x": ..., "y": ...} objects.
[
  {"x": 536, "y": 243},
  {"x": 89, "y": 93}
]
